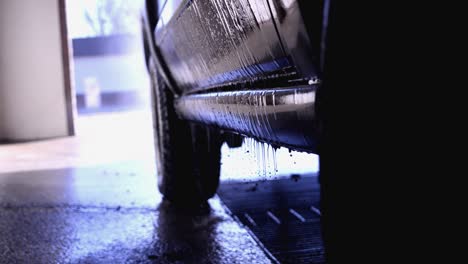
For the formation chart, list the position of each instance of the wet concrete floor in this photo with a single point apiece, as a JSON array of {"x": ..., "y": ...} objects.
[
  {"x": 111, "y": 214},
  {"x": 92, "y": 198}
]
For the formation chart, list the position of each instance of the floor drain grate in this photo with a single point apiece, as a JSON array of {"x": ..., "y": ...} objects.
[{"x": 283, "y": 214}]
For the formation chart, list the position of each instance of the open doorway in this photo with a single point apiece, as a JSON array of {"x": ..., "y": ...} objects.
[
  {"x": 109, "y": 69},
  {"x": 111, "y": 85}
]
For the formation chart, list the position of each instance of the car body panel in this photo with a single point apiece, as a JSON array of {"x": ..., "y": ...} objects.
[
  {"x": 280, "y": 116},
  {"x": 250, "y": 66},
  {"x": 208, "y": 44}
]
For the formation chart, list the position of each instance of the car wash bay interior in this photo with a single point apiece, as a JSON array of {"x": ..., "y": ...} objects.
[{"x": 83, "y": 187}]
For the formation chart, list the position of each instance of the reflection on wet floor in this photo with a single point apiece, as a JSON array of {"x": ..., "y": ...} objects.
[
  {"x": 102, "y": 215},
  {"x": 93, "y": 199}
]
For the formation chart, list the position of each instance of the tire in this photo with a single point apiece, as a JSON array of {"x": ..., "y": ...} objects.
[{"x": 187, "y": 155}]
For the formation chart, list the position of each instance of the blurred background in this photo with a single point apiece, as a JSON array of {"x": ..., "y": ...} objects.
[{"x": 109, "y": 68}]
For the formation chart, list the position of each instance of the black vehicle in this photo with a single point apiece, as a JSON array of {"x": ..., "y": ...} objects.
[
  {"x": 326, "y": 77},
  {"x": 223, "y": 70}
]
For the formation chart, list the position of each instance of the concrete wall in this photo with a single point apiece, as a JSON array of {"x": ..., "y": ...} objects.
[{"x": 33, "y": 102}]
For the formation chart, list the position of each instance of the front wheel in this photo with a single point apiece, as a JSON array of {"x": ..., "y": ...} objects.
[{"x": 187, "y": 155}]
